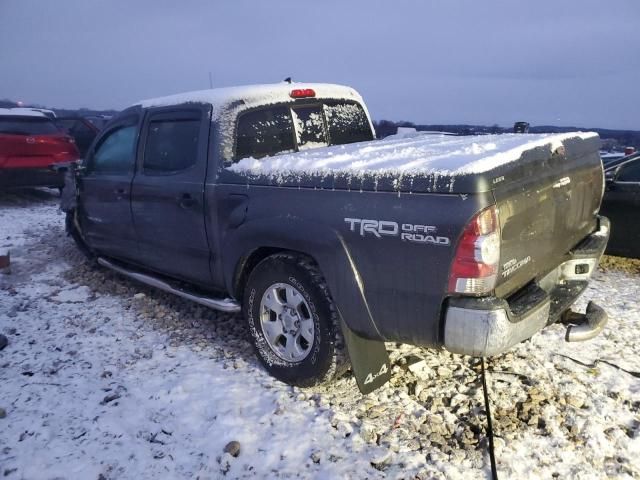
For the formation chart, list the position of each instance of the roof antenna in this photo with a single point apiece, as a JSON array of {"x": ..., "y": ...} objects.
[{"x": 288, "y": 79}]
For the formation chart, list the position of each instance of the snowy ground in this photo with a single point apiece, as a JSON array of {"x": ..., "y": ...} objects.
[{"x": 104, "y": 378}]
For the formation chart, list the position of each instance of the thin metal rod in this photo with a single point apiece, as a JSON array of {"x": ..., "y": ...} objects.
[{"x": 492, "y": 456}]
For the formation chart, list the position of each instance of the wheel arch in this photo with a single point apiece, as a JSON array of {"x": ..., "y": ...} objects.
[
  {"x": 254, "y": 241},
  {"x": 248, "y": 262}
]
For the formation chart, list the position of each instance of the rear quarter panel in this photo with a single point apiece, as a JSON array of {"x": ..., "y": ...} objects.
[{"x": 384, "y": 286}]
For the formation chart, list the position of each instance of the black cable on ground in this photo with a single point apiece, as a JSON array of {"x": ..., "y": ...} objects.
[
  {"x": 595, "y": 364},
  {"x": 492, "y": 456}
]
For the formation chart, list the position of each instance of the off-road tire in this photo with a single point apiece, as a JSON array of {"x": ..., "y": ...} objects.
[{"x": 327, "y": 358}]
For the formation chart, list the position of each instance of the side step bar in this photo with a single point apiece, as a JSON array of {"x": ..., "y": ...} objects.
[{"x": 224, "y": 305}]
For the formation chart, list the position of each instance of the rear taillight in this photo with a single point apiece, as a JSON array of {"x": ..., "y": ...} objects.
[{"x": 475, "y": 266}]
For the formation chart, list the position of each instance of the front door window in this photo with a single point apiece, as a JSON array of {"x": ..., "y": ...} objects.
[{"x": 116, "y": 151}]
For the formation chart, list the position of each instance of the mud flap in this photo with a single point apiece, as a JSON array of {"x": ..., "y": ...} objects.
[{"x": 369, "y": 360}]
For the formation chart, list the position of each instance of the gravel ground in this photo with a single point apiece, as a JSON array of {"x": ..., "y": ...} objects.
[{"x": 105, "y": 378}]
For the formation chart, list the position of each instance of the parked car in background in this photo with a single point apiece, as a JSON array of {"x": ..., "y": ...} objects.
[
  {"x": 81, "y": 129},
  {"x": 609, "y": 158},
  {"x": 99, "y": 121},
  {"x": 31, "y": 149},
  {"x": 611, "y": 164},
  {"x": 621, "y": 203},
  {"x": 47, "y": 113}
]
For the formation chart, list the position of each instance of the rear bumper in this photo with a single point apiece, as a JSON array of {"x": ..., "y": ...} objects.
[
  {"x": 489, "y": 326},
  {"x": 31, "y": 177}
]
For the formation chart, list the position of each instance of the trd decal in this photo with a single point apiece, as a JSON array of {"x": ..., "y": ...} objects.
[
  {"x": 513, "y": 265},
  {"x": 407, "y": 232}
]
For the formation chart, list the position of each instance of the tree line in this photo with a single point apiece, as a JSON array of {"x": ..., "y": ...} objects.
[{"x": 620, "y": 138}]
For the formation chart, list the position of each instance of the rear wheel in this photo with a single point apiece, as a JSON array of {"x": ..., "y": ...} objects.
[{"x": 293, "y": 324}]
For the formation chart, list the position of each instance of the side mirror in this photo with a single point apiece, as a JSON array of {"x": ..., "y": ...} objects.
[{"x": 608, "y": 178}]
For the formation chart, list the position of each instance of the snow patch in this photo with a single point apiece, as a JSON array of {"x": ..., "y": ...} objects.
[{"x": 73, "y": 295}]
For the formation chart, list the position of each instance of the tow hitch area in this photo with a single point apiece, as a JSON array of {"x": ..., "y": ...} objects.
[{"x": 584, "y": 326}]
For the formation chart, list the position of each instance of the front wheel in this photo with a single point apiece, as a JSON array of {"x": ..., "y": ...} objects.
[{"x": 293, "y": 324}]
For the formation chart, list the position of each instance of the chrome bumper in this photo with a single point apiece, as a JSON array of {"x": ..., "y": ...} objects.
[
  {"x": 484, "y": 333},
  {"x": 485, "y": 327}
]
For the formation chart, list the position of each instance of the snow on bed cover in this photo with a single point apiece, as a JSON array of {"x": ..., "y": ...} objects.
[
  {"x": 421, "y": 154},
  {"x": 251, "y": 95},
  {"x": 21, "y": 112}
]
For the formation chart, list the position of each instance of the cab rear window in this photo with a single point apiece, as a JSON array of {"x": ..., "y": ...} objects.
[
  {"x": 309, "y": 126},
  {"x": 288, "y": 128},
  {"x": 347, "y": 123},
  {"x": 264, "y": 132},
  {"x": 27, "y": 126}
]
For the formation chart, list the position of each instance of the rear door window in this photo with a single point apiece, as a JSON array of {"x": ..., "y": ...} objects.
[
  {"x": 630, "y": 172},
  {"x": 27, "y": 126},
  {"x": 264, "y": 132},
  {"x": 172, "y": 144},
  {"x": 75, "y": 127},
  {"x": 66, "y": 124}
]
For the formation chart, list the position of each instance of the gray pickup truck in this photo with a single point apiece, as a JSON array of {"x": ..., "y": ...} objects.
[{"x": 278, "y": 201}]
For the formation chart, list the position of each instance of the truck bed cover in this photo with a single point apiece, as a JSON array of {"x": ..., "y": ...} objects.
[{"x": 422, "y": 163}]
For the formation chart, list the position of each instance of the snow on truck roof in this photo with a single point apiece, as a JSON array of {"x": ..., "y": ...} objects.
[
  {"x": 418, "y": 155},
  {"x": 252, "y": 95}
]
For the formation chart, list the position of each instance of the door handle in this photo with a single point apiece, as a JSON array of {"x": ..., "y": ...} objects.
[
  {"x": 120, "y": 191},
  {"x": 186, "y": 200}
]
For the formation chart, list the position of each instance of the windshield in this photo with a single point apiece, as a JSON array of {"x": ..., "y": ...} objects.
[{"x": 27, "y": 126}]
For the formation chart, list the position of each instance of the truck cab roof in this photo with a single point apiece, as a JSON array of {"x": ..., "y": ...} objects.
[{"x": 248, "y": 96}]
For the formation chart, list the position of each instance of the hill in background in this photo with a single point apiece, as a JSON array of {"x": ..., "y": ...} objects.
[{"x": 62, "y": 112}]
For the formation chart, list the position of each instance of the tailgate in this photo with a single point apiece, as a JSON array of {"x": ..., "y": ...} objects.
[{"x": 547, "y": 203}]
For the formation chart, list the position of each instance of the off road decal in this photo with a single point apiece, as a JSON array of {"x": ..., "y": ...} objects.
[{"x": 408, "y": 232}]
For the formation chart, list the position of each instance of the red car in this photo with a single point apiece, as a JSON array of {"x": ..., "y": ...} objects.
[{"x": 31, "y": 147}]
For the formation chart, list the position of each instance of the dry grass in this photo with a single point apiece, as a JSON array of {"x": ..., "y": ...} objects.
[{"x": 629, "y": 265}]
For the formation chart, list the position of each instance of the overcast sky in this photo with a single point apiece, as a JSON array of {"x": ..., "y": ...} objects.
[{"x": 562, "y": 62}]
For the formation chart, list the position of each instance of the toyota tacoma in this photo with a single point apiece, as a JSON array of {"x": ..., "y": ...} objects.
[{"x": 278, "y": 201}]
